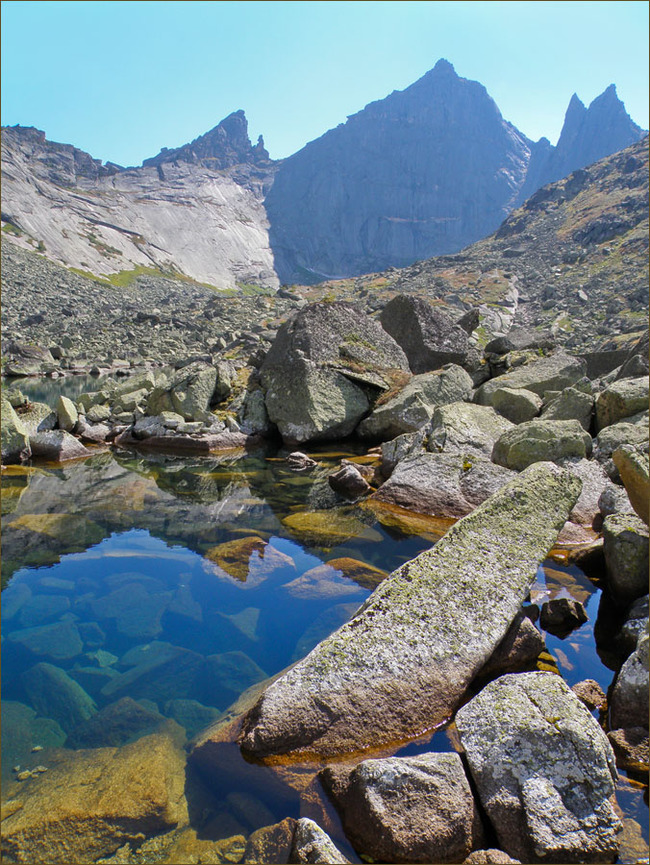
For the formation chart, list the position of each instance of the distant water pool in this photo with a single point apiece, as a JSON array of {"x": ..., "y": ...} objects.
[{"x": 179, "y": 583}]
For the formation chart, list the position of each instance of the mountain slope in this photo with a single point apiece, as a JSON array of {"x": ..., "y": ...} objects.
[
  {"x": 573, "y": 260},
  {"x": 204, "y": 221}
]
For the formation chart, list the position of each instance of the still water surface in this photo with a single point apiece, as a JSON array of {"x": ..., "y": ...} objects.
[{"x": 181, "y": 582}]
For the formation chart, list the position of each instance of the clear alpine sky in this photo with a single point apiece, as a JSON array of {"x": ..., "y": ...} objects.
[{"x": 121, "y": 79}]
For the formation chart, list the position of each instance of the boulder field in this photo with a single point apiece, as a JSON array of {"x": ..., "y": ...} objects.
[{"x": 520, "y": 445}]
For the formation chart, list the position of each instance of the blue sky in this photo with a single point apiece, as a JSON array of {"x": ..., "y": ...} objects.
[{"x": 121, "y": 79}]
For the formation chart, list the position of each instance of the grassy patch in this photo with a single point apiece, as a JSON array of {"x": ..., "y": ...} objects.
[{"x": 10, "y": 228}]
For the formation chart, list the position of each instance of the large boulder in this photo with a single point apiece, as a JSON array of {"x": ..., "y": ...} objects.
[
  {"x": 37, "y": 417},
  {"x": 634, "y": 468},
  {"x": 544, "y": 769},
  {"x": 55, "y": 695},
  {"x": 407, "y": 809},
  {"x": 547, "y": 373},
  {"x": 571, "y": 404},
  {"x": 402, "y": 663},
  {"x": 464, "y": 427},
  {"x": 192, "y": 389},
  {"x": 57, "y": 445},
  {"x": 428, "y": 336},
  {"x": 89, "y": 803},
  {"x": 539, "y": 440},
  {"x": 516, "y": 404},
  {"x": 66, "y": 413},
  {"x": 629, "y": 703},
  {"x": 412, "y": 407},
  {"x": 625, "y": 539},
  {"x": 519, "y": 339},
  {"x": 442, "y": 485},
  {"x": 15, "y": 441},
  {"x": 324, "y": 370},
  {"x": 620, "y": 400}
]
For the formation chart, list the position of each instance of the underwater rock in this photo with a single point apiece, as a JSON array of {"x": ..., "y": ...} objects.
[
  {"x": 55, "y": 695},
  {"x": 92, "y": 802}
]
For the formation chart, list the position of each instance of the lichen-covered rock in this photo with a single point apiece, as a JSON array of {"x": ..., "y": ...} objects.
[
  {"x": 554, "y": 372},
  {"x": 626, "y": 554},
  {"x": 396, "y": 449},
  {"x": 519, "y": 648},
  {"x": 15, "y": 441},
  {"x": 57, "y": 445},
  {"x": 67, "y": 414},
  {"x": 539, "y": 441},
  {"x": 543, "y": 768},
  {"x": 321, "y": 368},
  {"x": 192, "y": 388},
  {"x": 489, "y": 857},
  {"x": 464, "y": 427},
  {"x": 589, "y": 692},
  {"x": 37, "y": 417},
  {"x": 571, "y": 404},
  {"x": 407, "y": 809},
  {"x": 629, "y": 702},
  {"x": 517, "y": 405},
  {"x": 428, "y": 336},
  {"x": 443, "y": 485},
  {"x": 90, "y": 803},
  {"x": 620, "y": 400},
  {"x": 253, "y": 417},
  {"x": 388, "y": 674},
  {"x": 312, "y": 845},
  {"x": 412, "y": 407},
  {"x": 634, "y": 469}
]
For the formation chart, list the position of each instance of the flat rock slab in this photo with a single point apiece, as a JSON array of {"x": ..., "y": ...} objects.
[
  {"x": 400, "y": 666},
  {"x": 182, "y": 444},
  {"x": 543, "y": 768}
]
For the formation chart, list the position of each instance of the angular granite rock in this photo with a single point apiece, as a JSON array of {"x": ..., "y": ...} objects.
[
  {"x": 442, "y": 485},
  {"x": 466, "y": 428},
  {"x": 321, "y": 367},
  {"x": 548, "y": 373},
  {"x": 629, "y": 702},
  {"x": 620, "y": 400},
  {"x": 15, "y": 441},
  {"x": 625, "y": 539},
  {"x": 311, "y": 844},
  {"x": 543, "y": 768},
  {"x": 634, "y": 469},
  {"x": 539, "y": 440},
  {"x": 516, "y": 404},
  {"x": 407, "y": 809},
  {"x": 405, "y": 659},
  {"x": 57, "y": 445},
  {"x": 412, "y": 407}
]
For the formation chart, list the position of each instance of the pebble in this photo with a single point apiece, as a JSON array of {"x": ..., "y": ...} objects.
[
  {"x": 37, "y": 748},
  {"x": 39, "y": 769},
  {"x": 23, "y": 776}
]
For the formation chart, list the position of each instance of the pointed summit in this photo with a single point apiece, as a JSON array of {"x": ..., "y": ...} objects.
[
  {"x": 443, "y": 66},
  {"x": 225, "y": 145}
]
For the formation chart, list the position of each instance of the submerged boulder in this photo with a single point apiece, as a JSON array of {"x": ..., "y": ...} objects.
[
  {"x": 543, "y": 768},
  {"x": 407, "y": 809},
  {"x": 402, "y": 663},
  {"x": 326, "y": 366},
  {"x": 89, "y": 803},
  {"x": 428, "y": 336}
]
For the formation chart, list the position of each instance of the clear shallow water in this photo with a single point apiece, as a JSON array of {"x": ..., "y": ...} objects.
[{"x": 180, "y": 582}]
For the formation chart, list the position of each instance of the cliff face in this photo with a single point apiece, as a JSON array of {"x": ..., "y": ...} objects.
[
  {"x": 195, "y": 212},
  {"x": 426, "y": 170},
  {"x": 588, "y": 134}
]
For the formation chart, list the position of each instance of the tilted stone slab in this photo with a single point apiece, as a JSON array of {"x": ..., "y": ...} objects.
[
  {"x": 548, "y": 373},
  {"x": 543, "y": 768},
  {"x": 402, "y": 663}
]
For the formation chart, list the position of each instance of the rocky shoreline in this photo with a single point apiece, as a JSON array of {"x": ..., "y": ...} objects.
[{"x": 520, "y": 445}]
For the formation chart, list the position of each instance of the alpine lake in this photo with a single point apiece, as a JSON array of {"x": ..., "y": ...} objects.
[{"x": 182, "y": 582}]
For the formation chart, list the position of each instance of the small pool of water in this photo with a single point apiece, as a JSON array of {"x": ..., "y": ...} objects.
[{"x": 176, "y": 584}]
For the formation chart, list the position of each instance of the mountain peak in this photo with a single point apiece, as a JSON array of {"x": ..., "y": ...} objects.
[
  {"x": 225, "y": 145},
  {"x": 443, "y": 66}
]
